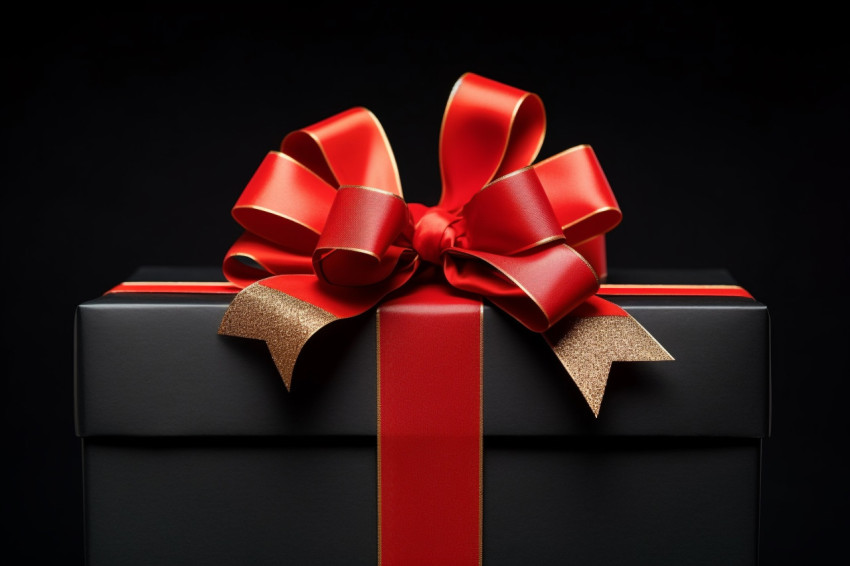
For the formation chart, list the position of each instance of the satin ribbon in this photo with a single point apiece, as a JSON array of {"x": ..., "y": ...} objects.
[
  {"x": 219, "y": 288},
  {"x": 329, "y": 235}
]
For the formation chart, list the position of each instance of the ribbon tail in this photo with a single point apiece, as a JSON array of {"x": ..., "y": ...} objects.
[
  {"x": 284, "y": 322},
  {"x": 599, "y": 333},
  {"x": 285, "y": 311}
]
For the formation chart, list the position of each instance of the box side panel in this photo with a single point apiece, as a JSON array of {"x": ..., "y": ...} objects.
[
  {"x": 155, "y": 366},
  {"x": 717, "y": 385},
  {"x": 226, "y": 503},
  {"x": 656, "y": 503},
  {"x": 556, "y": 501}
]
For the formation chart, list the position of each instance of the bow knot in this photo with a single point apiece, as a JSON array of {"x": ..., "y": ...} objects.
[{"x": 435, "y": 231}]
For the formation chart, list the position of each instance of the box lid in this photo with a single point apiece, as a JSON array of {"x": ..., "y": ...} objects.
[{"x": 153, "y": 364}]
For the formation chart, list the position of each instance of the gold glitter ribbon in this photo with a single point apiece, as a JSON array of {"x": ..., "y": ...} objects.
[
  {"x": 284, "y": 322},
  {"x": 586, "y": 347}
]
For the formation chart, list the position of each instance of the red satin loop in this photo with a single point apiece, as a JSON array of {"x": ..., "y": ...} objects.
[
  {"x": 593, "y": 250},
  {"x": 523, "y": 216},
  {"x": 579, "y": 193},
  {"x": 519, "y": 284},
  {"x": 285, "y": 203},
  {"x": 503, "y": 228},
  {"x": 489, "y": 129},
  {"x": 346, "y": 254},
  {"x": 252, "y": 258},
  {"x": 512, "y": 262},
  {"x": 350, "y": 148}
]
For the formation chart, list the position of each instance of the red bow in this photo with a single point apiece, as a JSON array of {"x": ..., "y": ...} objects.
[{"x": 329, "y": 234}]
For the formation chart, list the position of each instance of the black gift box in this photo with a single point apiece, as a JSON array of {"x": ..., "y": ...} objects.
[{"x": 195, "y": 452}]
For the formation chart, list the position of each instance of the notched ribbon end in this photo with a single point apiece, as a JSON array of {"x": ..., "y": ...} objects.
[
  {"x": 587, "y": 346},
  {"x": 285, "y": 323}
]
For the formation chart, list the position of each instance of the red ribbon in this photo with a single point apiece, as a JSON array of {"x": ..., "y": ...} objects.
[
  {"x": 329, "y": 208},
  {"x": 329, "y": 235},
  {"x": 215, "y": 288},
  {"x": 430, "y": 428}
]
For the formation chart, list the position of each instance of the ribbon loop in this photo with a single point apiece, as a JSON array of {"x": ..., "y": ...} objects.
[
  {"x": 489, "y": 129},
  {"x": 579, "y": 193},
  {"x": 362, "y": 225},
  {"x": 252, "y": 258},
  {"x": 518, "y": 284},
  {"x": 510, "y": 215},
  {"x": 284, "y": 203},
  {"x": 350, "y": 148}
]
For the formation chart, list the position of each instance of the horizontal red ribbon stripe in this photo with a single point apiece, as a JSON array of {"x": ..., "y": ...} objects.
[
  {"x": 655, "y": 289},
  {"x": 604, "y": 289},
  {"x": 175, "y": 287}
]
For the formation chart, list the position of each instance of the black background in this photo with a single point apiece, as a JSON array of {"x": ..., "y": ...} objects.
[{"x": 129, "y": 134}]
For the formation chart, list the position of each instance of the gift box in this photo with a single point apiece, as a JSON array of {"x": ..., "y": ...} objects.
[
  {"x": 194, "y": 452},
  {"x": 370, "y": 381}
]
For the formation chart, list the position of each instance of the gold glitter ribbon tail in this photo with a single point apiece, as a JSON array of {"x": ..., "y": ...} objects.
[
  {"x": 586, "y": 346},
  {"x": 284, "y": 322}
]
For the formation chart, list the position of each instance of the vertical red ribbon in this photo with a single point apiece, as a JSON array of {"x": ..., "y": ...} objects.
[{"x": 429, "y": 429}]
